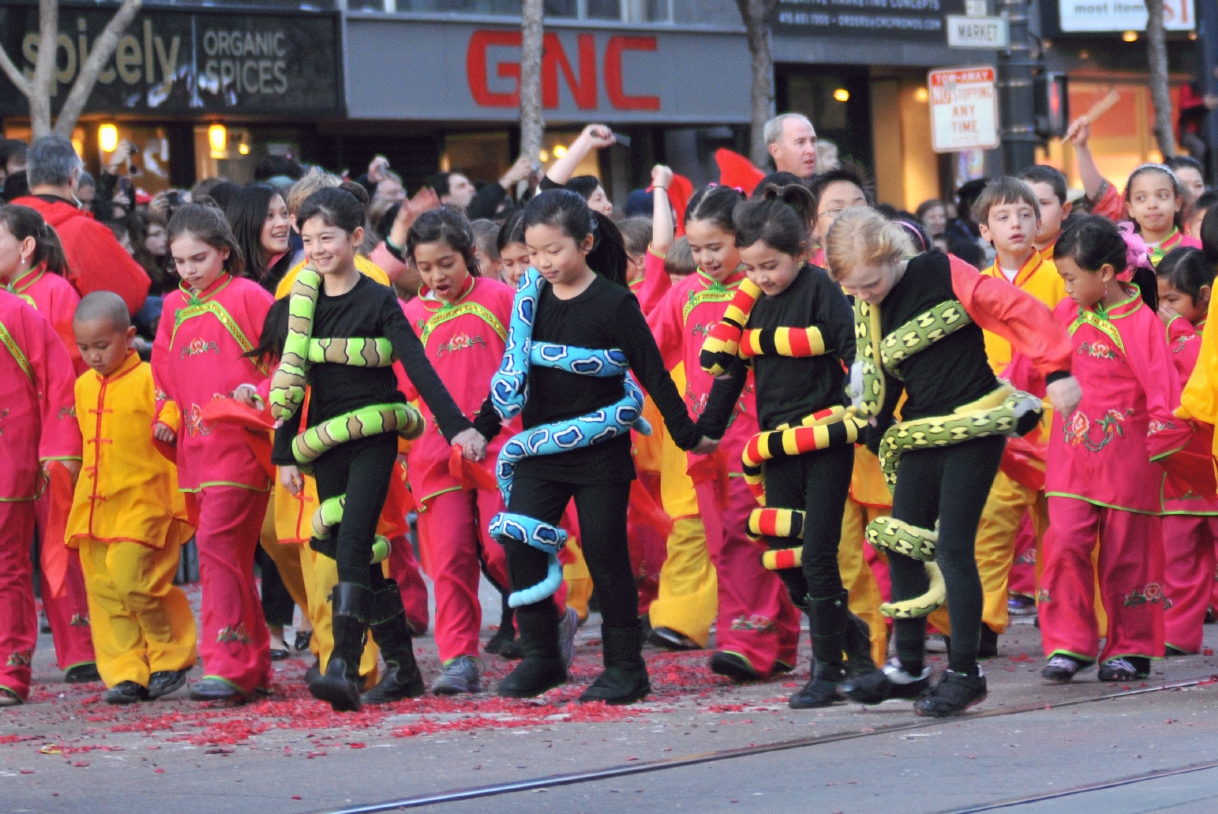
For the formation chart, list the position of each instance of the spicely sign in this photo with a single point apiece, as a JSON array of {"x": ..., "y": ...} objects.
[{"x": 175, "y": 62}]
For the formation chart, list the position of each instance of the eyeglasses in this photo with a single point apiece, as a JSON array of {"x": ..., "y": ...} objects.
[{"x": 833, "y": 213}]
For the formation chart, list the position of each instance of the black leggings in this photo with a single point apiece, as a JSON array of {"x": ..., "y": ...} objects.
[
  {"x": 818, "y": 483},
  {"x": 602, "y": 526},
  {"x": 277, "y": 604},
  {"x": 949, "y": 484},
  {"x": 361, "y": 469}
]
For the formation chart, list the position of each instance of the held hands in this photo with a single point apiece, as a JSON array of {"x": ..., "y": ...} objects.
[
  {"x": 291, "y": 479},
  {"x": 472, "y": 443},
  {"x": 1064, "y": 395},
  {"x": 706, "y": 446},
  {"x": 163, "y": 434},
  {"x": 661, "y": 177}
]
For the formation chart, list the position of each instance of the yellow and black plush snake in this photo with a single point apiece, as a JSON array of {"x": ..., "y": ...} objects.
[
  {"x": 821, "y": 430},
  {"x": 1004, "y": 411},
  {"x": 300, "y": 350}
]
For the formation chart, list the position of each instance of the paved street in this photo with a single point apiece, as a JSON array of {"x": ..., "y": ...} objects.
[{"x": 65, "y": 751}]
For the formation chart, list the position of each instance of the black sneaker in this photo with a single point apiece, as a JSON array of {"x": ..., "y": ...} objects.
[
  {"x": 670, "y": 639},
  {"x": 955, "y": 693},
  {"x": 1127, "y": 668},
  {"x": 8, "y": 698},
  {"x": 533, "y": 677},
  {"x": 213, "y": 688},
  {"x": 164, "y": 682},
  {"x": 988, "y": 647},
  {"x": 1171, "y": 651},
  {"x": 734, "y": 666},
  {"x": 126, "y": 692},
  {"x": 1021, "y": 605},
  {"x": 1061, "y": 669},
  {"x": 82, "y": 673}
]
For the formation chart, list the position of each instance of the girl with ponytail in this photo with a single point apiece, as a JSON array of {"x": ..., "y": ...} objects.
[
  {"x": 794, "y": 326},
  {"x": 576, "y": 339},
  {"x": 1102, "y": 456},
  {"x": 345, "y": 332},
  {"x": 708, "y": 520}
]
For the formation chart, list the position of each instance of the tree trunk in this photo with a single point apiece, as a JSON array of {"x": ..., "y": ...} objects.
[
  {"x": 44, "y": 68},
  {"x": 756, "y": 16},
  {"x": 532, "y": 125},
  {"x": 86, "y": 78},
  {"x": 1156, "y": 50}
]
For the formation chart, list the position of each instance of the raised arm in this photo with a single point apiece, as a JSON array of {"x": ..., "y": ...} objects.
[
  {"x": 662, "y": 227},
  {"x": 594, "y": 137}
]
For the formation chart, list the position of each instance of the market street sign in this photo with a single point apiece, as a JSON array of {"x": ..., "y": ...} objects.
[{"x": 991, "y": 33}]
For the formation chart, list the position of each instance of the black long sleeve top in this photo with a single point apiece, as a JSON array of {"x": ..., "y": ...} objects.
[
  {"x": 788, "y": 387},
  {"x": 604, "y": 316},
  {"x": 369, "y": 309}
]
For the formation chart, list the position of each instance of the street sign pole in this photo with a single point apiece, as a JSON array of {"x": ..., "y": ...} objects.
[
  {"x": 1016, "y": 101},
  {"x": 1207, "y": 48}
]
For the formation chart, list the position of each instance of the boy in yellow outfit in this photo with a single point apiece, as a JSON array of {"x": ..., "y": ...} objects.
[
  {"x": 128, "y": 517},
  {"x": 1010, "y": 215}
]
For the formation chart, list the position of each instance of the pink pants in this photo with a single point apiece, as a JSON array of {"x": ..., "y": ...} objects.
[
  {"x": 235, "y": 644},
  {"x": 454, "y": 528},
  {"x": 1188, "y": 543},
  {"x": 648, "y": 547},
  {"x": 18, "y": 620},
  {"x": 1130, "y": 577},
  {"x": 404, "y": 570},
  {"x": 69, "y": 614},
  {"x": 1023, "y": 569},
  {"x": 757, "y": 619}
]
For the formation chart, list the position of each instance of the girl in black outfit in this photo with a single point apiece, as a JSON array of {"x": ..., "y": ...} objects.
[
  {"x": 585, "y": 304},
  {"x": 772, "y": 236},
  {"x": 352, "y": 305}
]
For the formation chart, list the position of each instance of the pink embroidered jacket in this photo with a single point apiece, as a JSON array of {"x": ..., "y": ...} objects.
[
  {"x": 37, "y": 399},
  {"x": 681, "y": 323},
  {"x": 1105, "y": 451},
  {"x": 464, "y": 341},
  {"x": 198, "y": 356}
]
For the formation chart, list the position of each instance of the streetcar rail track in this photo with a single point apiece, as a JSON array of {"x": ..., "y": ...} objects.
[
  {"x": 628, "y": 770},
  {"x": 1086, "y": 789}
]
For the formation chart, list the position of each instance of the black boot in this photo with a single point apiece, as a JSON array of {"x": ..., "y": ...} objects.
[
  {"x": 402, "y": 678},
  {"x": 624, "y": 680},
  {"x": 828, "y": 623},
  {"x": 542, "y": 668},
  {"x": 863, "y": 674},
  {"x": 340, "y": 684},
  {"x": 503, "y": 643}
]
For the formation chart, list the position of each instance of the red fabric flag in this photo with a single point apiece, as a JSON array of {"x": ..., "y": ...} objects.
[{"x": 737, "y": 171}]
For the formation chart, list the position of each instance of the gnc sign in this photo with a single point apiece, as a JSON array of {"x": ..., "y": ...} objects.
[
  {"x": 581, "y": 81},
  {"x": 403, "y": 69}
]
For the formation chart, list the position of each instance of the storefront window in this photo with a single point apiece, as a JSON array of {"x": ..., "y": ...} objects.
[
  {"x": 721, "y": 12},
  {"x": 706, "y": 12}
]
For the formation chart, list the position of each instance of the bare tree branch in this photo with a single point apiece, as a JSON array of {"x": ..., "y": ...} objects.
[
  {"x": 103, "y": 49},
  {"x": 14, "y": 74}
]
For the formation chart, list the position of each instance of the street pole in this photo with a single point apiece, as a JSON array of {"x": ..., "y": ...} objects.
[
  {"x": 1016, "y": 103},
  {"x": 1207, "y": 53}
]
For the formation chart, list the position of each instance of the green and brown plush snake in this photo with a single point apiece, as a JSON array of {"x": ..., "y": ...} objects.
[
  {"x": 300, "y": 350},
  {"x": 1005, "y": 411}
]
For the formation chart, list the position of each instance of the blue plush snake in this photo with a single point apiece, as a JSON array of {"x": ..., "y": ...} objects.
[{"x": 509, "y": 389}]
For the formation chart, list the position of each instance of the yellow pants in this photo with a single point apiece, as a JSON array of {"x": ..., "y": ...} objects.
[
  {"x": 286, "y": 557},
  {"x": 857, "y": 577},
  {"x": 318, "y": 576},
  {"x": 688, "y": 599},
  {"x": 578, "y": 579},
  {"x": 142, "y": 624}
]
